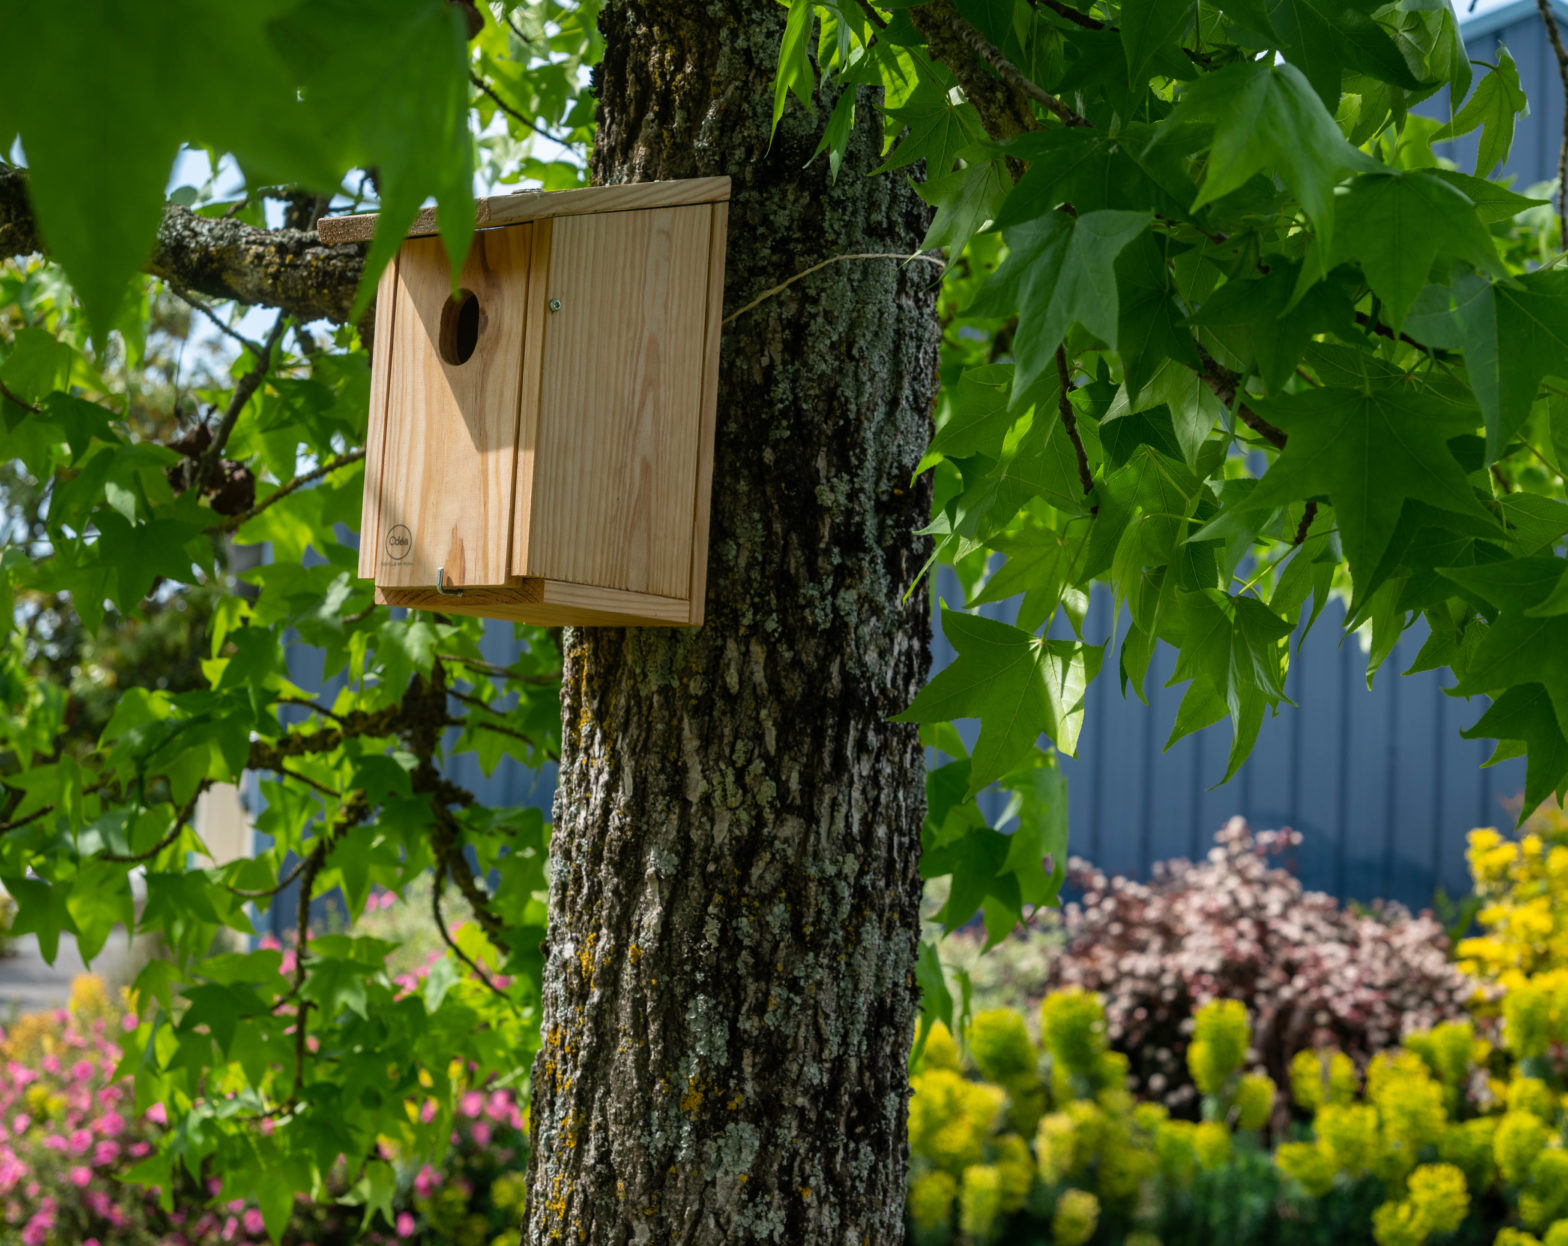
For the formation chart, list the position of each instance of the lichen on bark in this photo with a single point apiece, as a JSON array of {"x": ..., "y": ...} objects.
[{"x": 729, "y": 991}]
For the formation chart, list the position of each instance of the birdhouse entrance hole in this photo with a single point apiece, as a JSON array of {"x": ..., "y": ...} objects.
[
  {"x": 540, "y": 441},
  {"x": 460, "y": 323}
]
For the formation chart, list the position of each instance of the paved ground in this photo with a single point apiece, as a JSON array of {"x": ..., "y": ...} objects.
[{"x": 27, "y": 984}]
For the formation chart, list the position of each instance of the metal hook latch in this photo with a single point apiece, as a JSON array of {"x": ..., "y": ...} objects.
[{"x": 441, "y": 585}]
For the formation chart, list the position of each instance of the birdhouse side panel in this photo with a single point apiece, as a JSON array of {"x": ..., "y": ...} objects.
[
  {"x": 616, "y": 447},
  {"x": 376, "y": 426},
  {"x": 447, "y": 482}
]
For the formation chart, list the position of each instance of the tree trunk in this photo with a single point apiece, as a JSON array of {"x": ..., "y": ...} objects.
[{"x": 729, "y": 989}]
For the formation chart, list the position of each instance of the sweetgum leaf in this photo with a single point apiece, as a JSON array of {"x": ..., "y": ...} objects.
[{"x": 1018, "y": 685}]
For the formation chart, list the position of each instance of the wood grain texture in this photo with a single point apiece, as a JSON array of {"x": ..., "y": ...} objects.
[
  {"x": 709, "y": 411},
  {"x": 450, "y": 447},
  {"x": 615, "y": 476},
  {"x": 376, "y": 427},
  {"x": 533, "y": 205},
  {"x": 547, "y": 603},
  {"x": 533, "y": 361}
]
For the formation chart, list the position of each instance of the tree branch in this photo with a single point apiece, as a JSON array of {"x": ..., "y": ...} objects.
[
  {"x": 1064, "y": 405},
  {"x": 290, "y": 269},
  {"x": 1003, "y": 113},
  {"x": 1555, "y": 35},
  {"x": 1009, "y": 72},
  {"x": 1226, "y": 387},
  {"x": 299, "y": 482}
]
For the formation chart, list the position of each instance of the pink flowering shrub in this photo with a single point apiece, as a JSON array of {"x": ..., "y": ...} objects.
[
  {"x": 69, "y": 1134},
  {"x": 1311, "y": 972}
]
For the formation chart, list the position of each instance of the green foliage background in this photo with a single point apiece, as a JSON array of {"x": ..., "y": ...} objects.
[{"x": 1221, "y": 333}]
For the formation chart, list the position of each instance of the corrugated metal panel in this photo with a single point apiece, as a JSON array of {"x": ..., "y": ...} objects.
[
  {"x": 1538, "y": 137},
  {"x": 1379, "y": 782}
]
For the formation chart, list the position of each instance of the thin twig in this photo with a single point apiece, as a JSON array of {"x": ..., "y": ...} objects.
[
  {"x": 306, "y": 779},
  {"x": 875, "y": 18},
  {"x": 446, "y": 937},
  {"x": 233, "y": 522},
  {"x": 15, "y": 401},
  {"x": 1011, "y": 74},
  {"x": 310, "y": 705},
  {"x": 1071, "y": 14},
  {"x": 1561, "y": 54},
  {"x": 1307, "y": 516},
  {"x": 859, "y": 255},
  {"x": 1064, "y": 405},
  {"x": 1225, "y": 385},
  {"x": 246, "y": 386},
  {"x": 136, "y": 858},
  {"x": 490, "y": 668},
  {"x": 513, "y": 113},
  {"x": 263, "y": 892},
  {"x": 474, "y": 724},
  {"x": 218, "y": 323}
]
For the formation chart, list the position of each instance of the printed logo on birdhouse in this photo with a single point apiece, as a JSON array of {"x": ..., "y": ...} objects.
[
  {"x": 400, "y": 542},
  {"x": 556, "y": 414}
]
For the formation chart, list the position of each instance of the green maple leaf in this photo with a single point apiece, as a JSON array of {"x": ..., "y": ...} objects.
[
  {"x": 1523, "y": 715},
  {"x": 1514, "y": 334},
  {"x": 1232, "y": 649},
  {"x": 1397, "y": 224},
  {"x": 1497, "y": 102},
  {"x": 1148, "y": 330},
  {"x": 1267, "y": 119},
  {"x": 1147, "y": 28},
  {"x": 1059, "y": 270},
  {"x": 1018, "y": 685},
  {"x": 1367, "y": 453},
  {"x": 1520, "y": 647},
  {"x": 1327, "y": 38},
  {"x": 938, "y": 128}
]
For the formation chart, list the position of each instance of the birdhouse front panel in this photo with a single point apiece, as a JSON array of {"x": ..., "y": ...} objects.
[
  {"x": 540, "y": 444},
  {"x": 448, "y": 461}
]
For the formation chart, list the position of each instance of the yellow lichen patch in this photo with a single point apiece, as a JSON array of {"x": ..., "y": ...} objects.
[{"x": 691, "y": 1101}]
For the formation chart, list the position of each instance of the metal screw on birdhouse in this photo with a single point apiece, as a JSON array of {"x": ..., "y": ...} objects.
[{"x": 555, "y": 304}]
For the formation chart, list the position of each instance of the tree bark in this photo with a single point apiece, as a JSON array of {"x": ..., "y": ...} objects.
[{"x": 729, "y": 986}]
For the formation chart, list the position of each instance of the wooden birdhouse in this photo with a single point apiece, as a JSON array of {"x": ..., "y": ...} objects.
[{"x": 541, "y": 442}]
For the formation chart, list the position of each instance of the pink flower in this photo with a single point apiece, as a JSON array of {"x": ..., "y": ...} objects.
[
  {"x": 500, "y": 1106},
  {"x": 129, "y": 1022},
  {"x": 91, "y": 1241},
  {"x": 54, "y": 1142},
  {"x": 110, "y": 1125},
  {"x": 482, "y": 1134},
  {"x": 139, "y": 1149},
  {"x": 157, "y": 1114},
  {"x": 34, "y": 1234},
  {"x": 254, "y": 1224},
  {"x": 80, "y": 1176},
  {"x": 97, "y": 1202},
  {"x": 425, "y": 1181},
  {"x": 213, "y": 1185},
  {"x": 230, "y": 1227},
  {"x": 20, "y": 1122},
  {"x": 473, "y": 1103},
  {"x": 105, "y": 1153},
  {"x": 267, "y": 1126},
  {"x": 427, "y": 1112},
  {"x": 83, "y": 1070},
  {"x": 51, "y": 1063},
  {"x": 81, "y": 1141},
  {"x": 405, "y": 1224}
]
